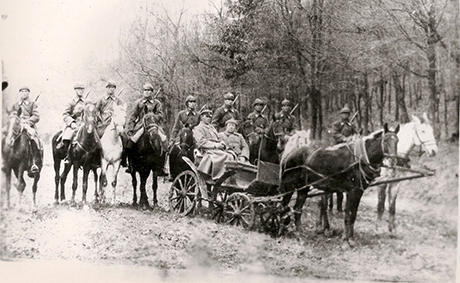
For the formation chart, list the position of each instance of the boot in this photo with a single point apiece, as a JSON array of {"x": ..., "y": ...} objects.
[
  {"x": 67, "y": 146},
  {"x": 36, "y": 160},
  {"x": 129, "y": 146}
]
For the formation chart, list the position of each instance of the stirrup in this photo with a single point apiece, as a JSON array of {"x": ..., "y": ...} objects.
[
  {"x": 66, "y": 160},
  {"x": 34, "y": 169}
]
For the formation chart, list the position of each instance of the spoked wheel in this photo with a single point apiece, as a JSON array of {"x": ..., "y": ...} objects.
[
  {"x": 183, "y": 193},
  {"x": 239, "y": 211},
  {"x": 273, "y": 217},
  {"x": 218, "y": 206}
]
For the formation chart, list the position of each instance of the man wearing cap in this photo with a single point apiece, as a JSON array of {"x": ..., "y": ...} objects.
[
  {"x": 225, "y": 112},
  {"x": 343, "y": 128},
  {"x": 72, "y": 117},
  {"x": 104, "y": 107},
  {"x": 213, "y": 147},
  {"x": 185, "y": 118},
  {"x": 235, "y": 141},
  {"x": 257, "y": 118},
  {"x": 30, "y": 116},
  {"x": 287, "y": 120},
  {"x": 147, "y": 104}
]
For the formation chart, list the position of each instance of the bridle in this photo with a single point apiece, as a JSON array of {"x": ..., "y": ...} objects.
[{"x": 423, "y": 143}]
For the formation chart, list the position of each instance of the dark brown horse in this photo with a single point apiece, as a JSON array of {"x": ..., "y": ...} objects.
[
  {"x": 347, "y": 167},
  {"x": 272, "y": 143},
  {"x": 84, "y": 152},
  {"x": 183, "y": 148},
  {"x": 16, "y": 154},
  {"x": 146, "y": 157},
  {"x": 252, "y": 138}
]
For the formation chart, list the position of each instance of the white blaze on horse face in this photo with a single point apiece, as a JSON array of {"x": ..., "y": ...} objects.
[{"x": 417, "y": 133}]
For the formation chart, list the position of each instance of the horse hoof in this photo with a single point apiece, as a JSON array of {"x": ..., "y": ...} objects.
[
  {"x": 319, "y": 231},
  {"x": 328, "y": 233}
]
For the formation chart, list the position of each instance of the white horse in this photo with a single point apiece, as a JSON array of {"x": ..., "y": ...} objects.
[
  {"x": 415, "y": 133},
  {"x": 112, "y": 148},
  {"x": 298, "y": 139}
]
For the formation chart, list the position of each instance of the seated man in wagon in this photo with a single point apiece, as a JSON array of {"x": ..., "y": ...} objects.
[
  {"x": 235, "y": 141},
  {"x": 213, "y": 147}
]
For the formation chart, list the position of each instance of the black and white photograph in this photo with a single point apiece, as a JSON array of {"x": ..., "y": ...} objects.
[{"x": 229, "y": 140}]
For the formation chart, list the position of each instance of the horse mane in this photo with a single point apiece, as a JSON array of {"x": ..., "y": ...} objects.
[{"x": 295, "y": 142}]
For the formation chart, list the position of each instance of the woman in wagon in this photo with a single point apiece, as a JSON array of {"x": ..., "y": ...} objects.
[
  {"x": 29, "y": 116},
  {"x": 147, "y": 104},
  {"x": 185, "y": 118},
  {"x": 225, "y": 112},
  {"x": 235, "y": 141},
  {"x": 286, "y": 118},
  {"x": 343, "y": 129},
  {"x": 213, "y": 147}
]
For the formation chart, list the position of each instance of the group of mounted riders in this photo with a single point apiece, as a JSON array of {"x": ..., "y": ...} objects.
[{"x": 215, "y": 134}]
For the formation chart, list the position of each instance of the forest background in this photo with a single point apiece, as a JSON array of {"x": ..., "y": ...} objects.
[{"x": 386, "y": 59}]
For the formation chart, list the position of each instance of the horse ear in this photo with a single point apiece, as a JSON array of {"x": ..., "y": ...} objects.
[
  {"x": 416, "y": 119},
  {"x": 309, "y": 133},
  {"x": 397, "y": 129},
  {"x": 425, "y": 118},
  {"x": 385, "y": 128}
]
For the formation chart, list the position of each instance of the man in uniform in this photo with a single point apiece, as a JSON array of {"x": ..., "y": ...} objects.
[
  {"x": 213, "y": 147},
  {"x": 343, "y": 128},
  {"x": 72, "y": 117},
  {"x": 104, "y": 107},
  {"x": 185, "y": 118},
  {"x": 257, "y": 118},
  {"x": 235, "y": 141},
  {"x": 30, "y": 116},
  {"x": 225, "y": 112},
  {"x": 287, "y": 120},
  {"x": 148, "y": 104}
]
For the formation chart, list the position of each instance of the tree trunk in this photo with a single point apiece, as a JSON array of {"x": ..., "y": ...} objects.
[
  {"x": 399, "y": 99},
  {"x": 431, "y": 53}
]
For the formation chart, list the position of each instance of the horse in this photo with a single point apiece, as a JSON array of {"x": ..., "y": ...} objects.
[
  {"x": 272, "y": 144},
  {"x": 16, "y": 154},
  {"x": 414, "y": 133},
  {"x": 145, "y": 156},
  {"x": 348, "y": 167},
  {"x": 298, "y": 139},
  {"x": 112, "y": 149},
  {"x": 252, "y": 138},
  {"x": 185, "y": 148},
  {"x": 84, "y": 152}
]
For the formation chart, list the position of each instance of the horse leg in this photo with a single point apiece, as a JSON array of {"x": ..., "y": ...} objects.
[
  {"x": 94, "y": 169},
  {"x": 143, "y": 201},
  {"x": 339, "y": 202},
  {"x": 154, "y": 187},
  {"x": 382, "y": 194},
  {"x": 134, "y": 182},
  {"x": 21, "y": 184},
  {"x": 329, "y": 200},
  {"x": 8, "y": 185},
  {"x": 57, "y": 168},
  {"x": 352, "y": 203},
  {"x": 116, "y": 168},
  {"x": 34, "y": 187},
  {"x": 75, "y": 182},
  {"x": 322, "y": 225},
  {"x": 392, "y": 195},
  {"x": 63, "y": 178},
  {"x": 299, "y": 202},
  {"x": 103, "y": 177},
  {"x": 84, "y": 184}
]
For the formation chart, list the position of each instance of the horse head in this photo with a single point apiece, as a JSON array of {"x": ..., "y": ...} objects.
[
  {"x": 89, "y": 117},
  {"x": 247, "y": 129},
  {"x": 281, "y": 138},
  {"x": 186, "y": 141},
  {"x": 13, "y": 128},
  {"x": 424, "y": 135},
  {"x": 151, "y": 131},
  {"x": 119, "y": 117},
  {"x": 390, "y": 145}
]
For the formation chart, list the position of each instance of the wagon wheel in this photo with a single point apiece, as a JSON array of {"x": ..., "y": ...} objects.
[
  {"x": 218, "y": 206},
  {"x": 183, "y": 193},
  {"x": 273, "y": 218},
  {"x": 239, "y": 210}
]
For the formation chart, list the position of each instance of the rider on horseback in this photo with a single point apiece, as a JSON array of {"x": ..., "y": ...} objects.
[
  {"x": 257, "y": 118},
  {"x": 343, "y": 129},
  {"x": 185, "y": 118},
  {"x": 148, "y": 104},
  {"x": 225, "y": 112},
  {"x": 72, "y": 118},
  {"x": 28, "y": 113},
  {"x": 287, "y": 120}
]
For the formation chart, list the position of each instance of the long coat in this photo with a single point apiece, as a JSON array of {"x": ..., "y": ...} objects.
[
  {"x": 207, "y": 138},
  {"x": 184, "y": 118},
  {"x": 72, "y": 113},
  {"x": 259, "y": 121},
  {"x": 141, "y": 107},
  {"x": 29, "y": 112},
  {"x": 236, "y": 142},
  {"x": 288, "y": 121},
  {"x": 341, "y": 130},
  {"x": 104, "y": 112},
  {"x": 222, "y": 115}
]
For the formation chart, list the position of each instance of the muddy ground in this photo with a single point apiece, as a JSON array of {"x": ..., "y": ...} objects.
[{"x": 119, "y": 243}]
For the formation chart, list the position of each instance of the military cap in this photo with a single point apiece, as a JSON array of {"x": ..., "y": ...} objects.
[
  {"x": 206, "y": 111},
  {"x": 111, "y": 83},
  {"x": 148, "y": 86},
  {"x": 345, "y": 110},
  {"x": 190, "y": 98},
  {"x": 286, "y": 102},
  {"x": 258, "y": 101},
  {"x": 229, "y": 95},
  {"x": 79, "y": 86},
  {"x": 233, "y": 121},
  {"x": 24, "y": 88}
]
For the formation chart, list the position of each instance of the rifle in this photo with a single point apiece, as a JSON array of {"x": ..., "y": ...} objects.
[
  {"x": 86, "y": 96},
  {"x": 293, "y": 109},
  {"x": 236, "y": 98},
  {"x": 202, "y": 108},
  {"x": 354, "y": 116},
  {"x": 156, "y": 94},
  {"x": 38, "y": 95},
  {"x": 263, "y": 109},
  {"x": 121, "y": 90}
]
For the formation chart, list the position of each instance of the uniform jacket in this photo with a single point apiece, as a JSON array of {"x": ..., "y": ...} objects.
[
  {"x": 141, "y": 107},
  {"x": 259, "y": 121},
  {"x": 29, "y": 112},
  {"x": 236, "y": 142},
  {"x": 223, "y": 114},
  {"x": 104, "y": 111},
  {"x": 341, "y": 130},
  {"x": 73, "y": 110},
  {"x": 288, "y": 121},
  {"x": 184, "y": 118}
]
